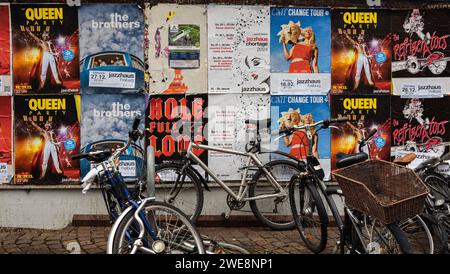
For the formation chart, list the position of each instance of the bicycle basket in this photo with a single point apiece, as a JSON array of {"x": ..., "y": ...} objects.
[{"x": 383, "y": 190}]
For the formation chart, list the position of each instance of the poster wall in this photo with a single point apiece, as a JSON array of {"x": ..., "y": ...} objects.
[
  {"x": 177, "y": 48},
  {"x": 6, "y": 159},
  {"x": 420, "y": 126},
  {"x": 5, "y": 51},
  {"x": 238, "y": 49},
  {"x": 45, "y": 48},
  {"x": 172, "y": 122},
  {"x": 111, "y": 48},
  {"x": 420, "y": 53},
  {"x": 227, "y": 129},
  {"x": 105, "y": 122},
  {"x": 46, "y": 134},
  {"x": 288, "y": 111},
  {"x": 299, "y": 50},
  {"x": 360, "y": 51},
  {"x": 366, "y": 113}
]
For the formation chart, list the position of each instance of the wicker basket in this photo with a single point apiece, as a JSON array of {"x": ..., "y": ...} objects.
[{"x": 383, "y": 190}]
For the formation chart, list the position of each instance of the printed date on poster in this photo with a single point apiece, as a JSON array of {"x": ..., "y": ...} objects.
[{"x": 112, "y": 79}]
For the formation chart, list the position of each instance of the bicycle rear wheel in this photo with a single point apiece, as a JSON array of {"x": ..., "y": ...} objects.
[{"x": 419, "y": 235}]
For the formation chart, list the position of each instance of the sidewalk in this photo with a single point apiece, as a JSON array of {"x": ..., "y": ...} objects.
[{"x": 93, "y": 240}]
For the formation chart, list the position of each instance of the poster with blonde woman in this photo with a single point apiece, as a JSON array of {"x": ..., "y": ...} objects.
[{"x": 300, "y": 50}]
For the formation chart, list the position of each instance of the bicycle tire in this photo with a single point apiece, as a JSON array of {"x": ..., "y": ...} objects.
[
  {"x": 195, "y": 212},
  {"x": 417, "y": 231},
  {"x": 254, "y": 204},
  {"x": 321, "y": 212},
  {"x": 400, "y": 237},
  {"x": 128, "y": 219}
]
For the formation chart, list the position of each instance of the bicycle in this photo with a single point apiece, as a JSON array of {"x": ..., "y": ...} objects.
[
  {"x": 358, "y": 232},
  {"x": 140, "y": 224},
  {"x": 266, "y": 194}
]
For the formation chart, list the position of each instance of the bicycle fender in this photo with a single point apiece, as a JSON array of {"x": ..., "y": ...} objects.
[{"x": 109, "y": 246}]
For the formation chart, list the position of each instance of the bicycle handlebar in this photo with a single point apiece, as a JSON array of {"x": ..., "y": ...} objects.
[{"x": 326, "y": 123}]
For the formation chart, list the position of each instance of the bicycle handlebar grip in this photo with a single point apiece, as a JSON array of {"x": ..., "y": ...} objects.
[
  {"x": 136, "y": 122},
  {"x": 78, "y": 156},
  {"x": 286, "y": 131},
  {"x": 371, "y": 133},
  {"x": 340, "y": 120}
]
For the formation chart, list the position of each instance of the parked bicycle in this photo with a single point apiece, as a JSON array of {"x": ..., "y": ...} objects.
[{"x": 141, "y": 225}]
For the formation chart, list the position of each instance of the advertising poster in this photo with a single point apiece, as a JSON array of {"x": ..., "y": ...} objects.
[
  {"x": 366, "y": 113},
  {"x": 172, "y": 122},
  {"x": 46, "y": 135},
  {"x": 5, "y": 51},
  {"x": 300, "y": 50},
  {"x": 111, "y": 48},
  {"x": 177, "y": 48},
  {"x": 105, "y": 122},
  {"x": 227, "y": 129},
  {"x": 6, "y": 159},
  {"x": 238, "y": 49},
  {"x": 420, "y": 126},
  {"x": 288, "y": 111},
  {"x": 45, "y": 48},
  {"x": 360, "y": 51},
  {"x": 420, "y": 53}
]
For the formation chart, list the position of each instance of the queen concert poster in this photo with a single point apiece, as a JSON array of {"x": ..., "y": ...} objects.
[
  {"x": 360, "y": 51},
  {"x": 368, "y": 114},
  {"x": 46, "y": 134},
  {"x": 6, "y": 159},
  {"x": 45, "y": 48}
]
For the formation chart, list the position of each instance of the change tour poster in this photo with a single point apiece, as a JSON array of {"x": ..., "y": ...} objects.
[
  {"x": 111, "y": 48},
  {"x": 45, "y": 49},
  {"x": 420, "y": 126},
  {"x": 5, "y": 51},
  {"x": 172, "y": 121},
  {"x": 177, "y": 48},
  {"x": 360, "y": 51},
  {"x": 288, "y": 111},
  {"x": 227, "y": 129},
  {"x": 238, "y": 49},
  {"x": 421, "y": 53},
  {"x": 366, "y": 113},
  {"x": 105, "y": 122},
  {"x": 6, "y": 159},
  {"x": 46, "y": 135},
  {"x": 300, "y": 50}
]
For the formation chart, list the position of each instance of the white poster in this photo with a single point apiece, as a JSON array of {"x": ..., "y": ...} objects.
[
  {"x": 176, "y": 48},
  {"x": 238, "y": 49},
  {"x": 227, "y": 129}
]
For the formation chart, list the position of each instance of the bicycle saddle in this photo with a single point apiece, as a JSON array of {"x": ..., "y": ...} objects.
[
  {"x": 405, "y": 159},
  {"x": 344, "y": 160},
  {"x": 265, "y": 123}
]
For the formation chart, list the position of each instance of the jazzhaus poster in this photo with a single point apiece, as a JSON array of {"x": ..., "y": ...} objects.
[
  {"x": 421, "y": 52},
  {"x": 287, "y": 111},
  {"x": 367, "y": 113},
  {"x": 177, "y": 48},
  {"x": 360, "y": 51},
  {"x": 106, "y": 121},
  {"x": 238, "y": 49},
  {"x": 5, "y": 51},
  {"x": 299, "y": 50},
  {"x": 46, "y": 135},
  {"x": 45, "y": 48},
  {"x": 111, "y": 48},
  {"x": 227, "y": 129},
  {"x": 420, "y": 126},
  {"x": 172, "y": 122},
  {"x": 6, "y": 159}
]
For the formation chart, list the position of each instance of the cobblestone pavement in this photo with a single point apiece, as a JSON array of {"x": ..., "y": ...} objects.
[{"x": 93, "y": 240}]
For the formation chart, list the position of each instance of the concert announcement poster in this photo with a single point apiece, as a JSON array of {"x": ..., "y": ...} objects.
[
  {"x": 300, "y": 50},
  {"x": 360, "y": 51},
  {"x": 6, "y": 160},
  {"x": 368, "y": 114},
  {"x": 45, "y": 48},
  {"x": 421, "y": 53},
  {"x": 46, "y": 135},
  {"x": 111, "y": 48},
  {"x": 5, "y": 50},
  {"x": 172, "y": 122},
  {"x": 105, "y": 122},
  {"x": 421, "y": 126}
]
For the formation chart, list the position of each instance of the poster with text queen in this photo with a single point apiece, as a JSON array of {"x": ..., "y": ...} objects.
[
  {"x": 299, "y": 50},
  {"x": 238, "y": 49}
]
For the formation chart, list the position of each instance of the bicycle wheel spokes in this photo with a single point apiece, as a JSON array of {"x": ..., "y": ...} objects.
[
  {"x": 309, "y": 219},
  {"x": 378, "y": 239},
  {"x": 418, "y": 235}
]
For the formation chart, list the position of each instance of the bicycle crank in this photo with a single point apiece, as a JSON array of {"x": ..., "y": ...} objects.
[{"x": 233, "y": 204}]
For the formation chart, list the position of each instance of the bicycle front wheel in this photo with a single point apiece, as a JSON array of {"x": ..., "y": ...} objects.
[{"x": 172, "y": 231}]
